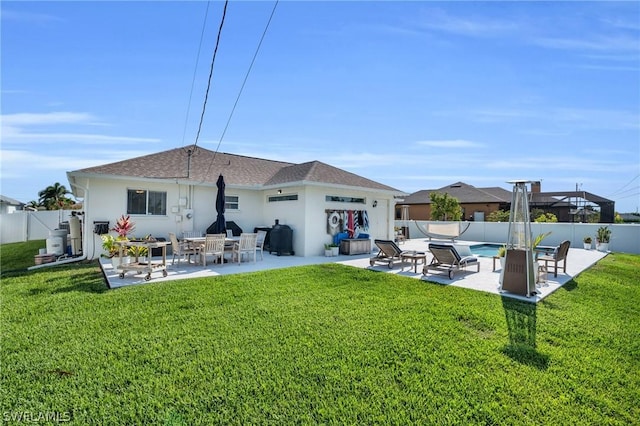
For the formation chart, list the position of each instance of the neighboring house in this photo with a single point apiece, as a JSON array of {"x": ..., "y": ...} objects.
[
  {"x": 478, "y": 203},
  {"x": 175, "y": 191},
  {"x": 9, "y": 205}
]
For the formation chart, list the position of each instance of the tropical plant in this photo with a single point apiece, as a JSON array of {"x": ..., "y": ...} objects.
[
  {"x": 603, "y": 235},
  {"x": 502, "y": 251},
  {"x": 539, "y": 239},
  {"x": 444, "y": 207},
  {"x": 587, "y": 240},
  {"x": 54, "y": 197},
  {"x": 111, "y": 246},
  {"x": 124, "y": 226}
]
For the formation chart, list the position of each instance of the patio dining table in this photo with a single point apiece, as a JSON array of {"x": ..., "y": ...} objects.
[{"x": 199, "y": 242}]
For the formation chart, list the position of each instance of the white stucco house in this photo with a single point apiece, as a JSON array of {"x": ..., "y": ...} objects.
[
  {"x": 175, "y": 191},
  {"x": 9, "y": 205}
]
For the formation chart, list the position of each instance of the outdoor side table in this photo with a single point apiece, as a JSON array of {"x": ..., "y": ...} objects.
[{"x": 414, "y": 256}]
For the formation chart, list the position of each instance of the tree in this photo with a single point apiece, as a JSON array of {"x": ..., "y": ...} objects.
[
  {"x": 444, "y": 207},
  {"x": 54, "y": 197},
  {"x": 498, "y": 216},
  {"x": 546, "y": 217}
]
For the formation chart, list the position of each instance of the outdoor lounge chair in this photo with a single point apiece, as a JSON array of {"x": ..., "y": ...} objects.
[
  {"x": 559, "y": 255},
  {"x": 447, "y": 258},
  {"x": 389, "y": 253}
]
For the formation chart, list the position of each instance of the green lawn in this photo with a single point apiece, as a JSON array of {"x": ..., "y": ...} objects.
[{"x": 319, "y": 344}]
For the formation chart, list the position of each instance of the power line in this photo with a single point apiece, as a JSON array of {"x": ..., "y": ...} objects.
[
  {"x": 195, "y": 69},
  {"x": 246, "y": 77},
  {"x": 213, "y": 60},
  {"x": 624, "y": 186}
]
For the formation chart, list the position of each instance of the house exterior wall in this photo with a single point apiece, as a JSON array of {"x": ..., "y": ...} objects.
[
  {"x": 106, "y": 200},
  {"x": 423, "y": 211}
]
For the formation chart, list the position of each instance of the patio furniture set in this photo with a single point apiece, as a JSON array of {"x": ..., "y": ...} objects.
[
  {"x": 449, "y": 258},
  {"x": 218, "y": 246}
]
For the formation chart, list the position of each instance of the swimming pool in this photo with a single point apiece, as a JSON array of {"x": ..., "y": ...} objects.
[
  {"x": 485, "y": 250},
  {"x": 490, "y": 250}
]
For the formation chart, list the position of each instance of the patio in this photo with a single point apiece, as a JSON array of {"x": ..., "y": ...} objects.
[{"x": 486, "y": 280}]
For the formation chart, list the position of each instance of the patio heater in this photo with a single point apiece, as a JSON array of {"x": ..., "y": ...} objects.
[
  {"x": 404, "y": 217},
  {"x": 518, "y": 275}
]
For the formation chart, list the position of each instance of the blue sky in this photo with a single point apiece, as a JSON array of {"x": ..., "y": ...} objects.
[{"x": 415, "y": 95}]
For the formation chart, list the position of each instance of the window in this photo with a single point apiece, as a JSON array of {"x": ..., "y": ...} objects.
[
  {"x": 231, "y": 202},
  {"x": 275, "y": 198},
  {"x": 339, "y": 199},
  {"x": 140, "y": 201}
]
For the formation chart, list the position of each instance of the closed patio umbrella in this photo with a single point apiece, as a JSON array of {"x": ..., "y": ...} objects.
[{"x": 220, "y": 224}]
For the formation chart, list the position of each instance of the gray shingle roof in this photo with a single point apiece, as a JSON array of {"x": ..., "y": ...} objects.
[
  {"x": 464, "y": 193},
  {"x": 240, "y": 171}
]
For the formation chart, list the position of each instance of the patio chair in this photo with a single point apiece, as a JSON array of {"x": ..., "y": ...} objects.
[
  {"x": 213, "y": 246},
  {"x": 559, "y": 255},
  {"x": 389, "y": 253},
  {"x": 191, "y": 234},
  {"x": 447, "y": 258},
  {"x": 246, "y": 245},
  {"x": 181, "y": 249},
  {"x": 262, "y": 235}
]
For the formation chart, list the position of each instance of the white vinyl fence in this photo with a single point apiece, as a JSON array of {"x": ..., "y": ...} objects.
[
  {"x": 27, "y": 225},
  {"x": 625, "y": 238}
]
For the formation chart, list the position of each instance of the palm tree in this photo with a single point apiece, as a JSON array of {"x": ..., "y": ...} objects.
[{"x": 53, "y": 197}]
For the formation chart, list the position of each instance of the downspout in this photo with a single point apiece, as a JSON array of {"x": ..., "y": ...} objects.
[{"x": 85, "y": 248}]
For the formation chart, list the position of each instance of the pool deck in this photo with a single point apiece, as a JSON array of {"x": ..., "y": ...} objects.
[{"x": 486, "y": 280}]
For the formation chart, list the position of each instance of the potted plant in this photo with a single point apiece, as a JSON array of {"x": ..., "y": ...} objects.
[
  {"x": 603, "y": 236},
  {"x": 587, "y": 242},
  {"x": 123, "y": 227},
  {"x": 327, "y": 250},
  {"x": 335, "y": 248},
  {"x": 502, "y": 253}
]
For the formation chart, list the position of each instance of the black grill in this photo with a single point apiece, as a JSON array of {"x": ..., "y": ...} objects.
[{"x": 281, "y": 239}]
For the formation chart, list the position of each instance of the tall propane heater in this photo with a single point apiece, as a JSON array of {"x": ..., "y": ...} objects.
[{"x": 518, "y": 276}]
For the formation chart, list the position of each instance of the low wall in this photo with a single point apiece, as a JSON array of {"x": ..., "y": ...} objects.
[{"x": 625, "y": 238}]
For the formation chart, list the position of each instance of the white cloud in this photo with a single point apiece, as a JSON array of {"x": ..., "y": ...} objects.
[
  {"x": 451, "y": 143},
  {"x": 48, "y": 118}
]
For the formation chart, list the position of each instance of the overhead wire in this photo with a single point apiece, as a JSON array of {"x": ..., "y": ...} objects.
[
  {"x": 623, "y": 187},
  {"x": 195, "y": 70},
  {"x": 246, "y": 77},
  {"x": 213, "y": 60}
]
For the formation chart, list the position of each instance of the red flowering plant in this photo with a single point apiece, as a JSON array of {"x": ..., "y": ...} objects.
[{"x": 124, "y": 226}]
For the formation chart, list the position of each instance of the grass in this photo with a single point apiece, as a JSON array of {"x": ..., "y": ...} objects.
[{"x": 319, "y": 344}]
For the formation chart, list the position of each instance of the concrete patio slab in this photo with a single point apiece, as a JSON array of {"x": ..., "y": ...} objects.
[{"x": 486, "y": 280}]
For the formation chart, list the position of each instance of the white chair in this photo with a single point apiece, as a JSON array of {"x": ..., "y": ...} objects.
[
  {"x": 246, "y": 245},
  {"x": 260, "y": 243},
  {"x": 191, "y": 234},
  {"x": 214, "y": 246},
  {"x": 181, "y": 249}
]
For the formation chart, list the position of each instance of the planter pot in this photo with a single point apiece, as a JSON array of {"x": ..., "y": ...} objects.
[
  {"x": 327, "y": 253},
  {"x": 587, "y": 246},
  {"x": 602, "y": 246},
  {"x": 117, "y": 261},
  {"x": 334, "y": 251}
]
